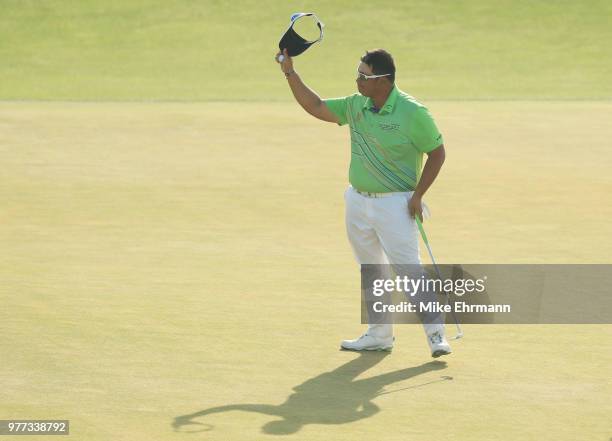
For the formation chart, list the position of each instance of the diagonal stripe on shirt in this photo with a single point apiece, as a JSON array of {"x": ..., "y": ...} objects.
[{"x": 379, "y": 170}]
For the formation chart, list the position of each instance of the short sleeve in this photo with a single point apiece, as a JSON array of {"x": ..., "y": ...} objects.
[
  {"x": 423, "y": 131},
  {"x": 339, "y": 107}
]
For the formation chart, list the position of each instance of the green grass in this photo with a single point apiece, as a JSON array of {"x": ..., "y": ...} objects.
[
  {"x": 212, "y": 50},
  {"x": 164, "y": 259},
  {"x": 160, "y": 261}
]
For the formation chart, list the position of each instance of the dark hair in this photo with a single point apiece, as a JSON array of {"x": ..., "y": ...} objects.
[{"x": 381, "y": 63}]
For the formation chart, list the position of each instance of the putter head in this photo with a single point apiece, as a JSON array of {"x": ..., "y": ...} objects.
[{"x": 458, "y": 336}]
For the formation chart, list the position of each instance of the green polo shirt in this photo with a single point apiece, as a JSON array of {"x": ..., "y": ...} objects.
[{"x": 386, "y": 147}]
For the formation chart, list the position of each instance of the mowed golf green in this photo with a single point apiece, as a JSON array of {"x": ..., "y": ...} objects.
[
  {"x": 173, "y": 249},
  {"x": 188, "y": 262},
  {"x": 208, "y": 50}
]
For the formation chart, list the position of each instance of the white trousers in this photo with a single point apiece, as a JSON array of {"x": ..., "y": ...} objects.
[{"x": 381, "y": 231}]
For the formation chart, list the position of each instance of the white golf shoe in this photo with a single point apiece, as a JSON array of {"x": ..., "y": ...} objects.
[
  {"x": 438, "y": 344},
  {"x": 368, "y": 343}
]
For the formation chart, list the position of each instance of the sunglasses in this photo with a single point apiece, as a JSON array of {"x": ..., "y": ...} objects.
[{"x": 363, "y": 77}]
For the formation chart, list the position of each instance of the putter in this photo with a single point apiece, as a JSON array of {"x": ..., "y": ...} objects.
[{"x": 424, "y": 237}]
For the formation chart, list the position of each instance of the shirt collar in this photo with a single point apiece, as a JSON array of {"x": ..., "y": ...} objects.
[{"x": 389, "y": 104}]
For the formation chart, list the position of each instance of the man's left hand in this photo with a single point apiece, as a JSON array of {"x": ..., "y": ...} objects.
[{"x": 415, "y": 207}]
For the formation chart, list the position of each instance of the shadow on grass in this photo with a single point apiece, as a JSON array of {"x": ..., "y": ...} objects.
[{"x": 330, "y": 398}]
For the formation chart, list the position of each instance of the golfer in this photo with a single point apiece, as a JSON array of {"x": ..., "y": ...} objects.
[{"x": 390, "y": 132}]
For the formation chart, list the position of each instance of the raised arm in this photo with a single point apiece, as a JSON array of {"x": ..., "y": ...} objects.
[{"x": 306, "y": 97}]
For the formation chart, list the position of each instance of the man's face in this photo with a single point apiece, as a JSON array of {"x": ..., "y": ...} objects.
[{"x": 366, "y": 87}]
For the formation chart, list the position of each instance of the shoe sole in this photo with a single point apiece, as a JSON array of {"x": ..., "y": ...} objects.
[
  {"x": 379, "y": 349},
  {"x": 440, "y": 353}
]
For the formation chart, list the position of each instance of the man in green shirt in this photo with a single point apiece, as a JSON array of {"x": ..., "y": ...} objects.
[{"x": 390, "y": 132}]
